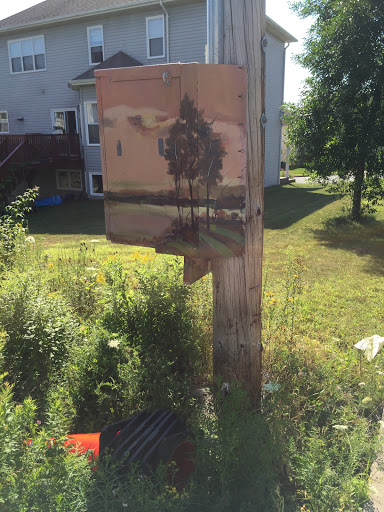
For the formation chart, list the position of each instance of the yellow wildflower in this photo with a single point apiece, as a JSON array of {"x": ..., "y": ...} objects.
[
  {"x": 100, "y": 278},
  {"x": 50, "y": 265}
]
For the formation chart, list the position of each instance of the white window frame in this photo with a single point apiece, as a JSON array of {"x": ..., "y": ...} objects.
[
  {"x": 32, "y": 70},
  {"x": 53, "y": 110},
  {"x": 148, "y": 45},
  {"x": 90, "y": 174},
  {"x": 1, "y": 122},
  {"x": 87, "y": 124},
  {"x": 89, "y": 44},
  {"x": 68, "y": 171}
]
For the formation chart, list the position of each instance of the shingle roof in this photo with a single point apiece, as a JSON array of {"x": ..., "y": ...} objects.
[
  {"x": 56, "y": 9},
  {"x": 119, "y": 60}
]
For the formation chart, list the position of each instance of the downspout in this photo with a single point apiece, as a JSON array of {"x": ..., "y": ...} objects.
[
  {"x": 281, "y": 131},
  {"x": 215, "y": 31},
  {"x": 166, "y": 27}
]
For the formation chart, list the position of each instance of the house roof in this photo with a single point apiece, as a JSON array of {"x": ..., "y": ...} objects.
[
  {"x": 51, "y": 11},
  {"x": 119, "y": 60},
  {"x": 54, "y": 11}
]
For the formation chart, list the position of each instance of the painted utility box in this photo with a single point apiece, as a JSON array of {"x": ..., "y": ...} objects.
[{"x": 173, "y": 141}]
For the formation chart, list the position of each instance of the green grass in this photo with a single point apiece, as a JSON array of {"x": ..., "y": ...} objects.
[
  {"x": 344, "y": 260},
  {"x": 298, "y": 171}
]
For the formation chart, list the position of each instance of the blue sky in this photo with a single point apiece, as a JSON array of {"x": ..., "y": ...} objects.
[{"x": 278, "y": 10}]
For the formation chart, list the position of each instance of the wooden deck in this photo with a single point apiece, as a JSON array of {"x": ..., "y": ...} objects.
[{"x": 39, "y": 151}]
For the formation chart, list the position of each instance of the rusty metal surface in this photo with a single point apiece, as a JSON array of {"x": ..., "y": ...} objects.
[{"x": 173, "y": 140}]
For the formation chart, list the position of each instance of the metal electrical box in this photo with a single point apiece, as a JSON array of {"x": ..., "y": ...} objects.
[{"x": 173, "y": 145}]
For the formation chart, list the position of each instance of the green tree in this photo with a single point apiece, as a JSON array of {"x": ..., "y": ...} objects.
[{"x": 337, "y": 127}]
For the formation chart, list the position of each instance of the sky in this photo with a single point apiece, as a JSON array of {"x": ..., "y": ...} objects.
[{"x": 278, "y": 10}]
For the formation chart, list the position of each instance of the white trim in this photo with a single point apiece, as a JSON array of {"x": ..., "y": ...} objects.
[
  {"x": 89, "y": 44},
  {"x": 87, "y": 124},
  {"x": 76, "y": 84},
  {"x": 21, "y": 57},
  {"x": 7, "y": 121},
  {"x": 68, "y": 171},
  {"x": 148, "y": 47},
  {"x": 90, "y": 174},
  {"x": 71, "y": 109}
]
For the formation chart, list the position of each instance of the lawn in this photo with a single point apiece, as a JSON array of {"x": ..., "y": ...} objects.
[
  {"x": 298, "y": 171},
  {"x": 344, "y": 261},
  {"x": 98, "y": 331}
]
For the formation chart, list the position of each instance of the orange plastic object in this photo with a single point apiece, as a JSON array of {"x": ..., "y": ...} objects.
[{"x": 173, "y": 141}]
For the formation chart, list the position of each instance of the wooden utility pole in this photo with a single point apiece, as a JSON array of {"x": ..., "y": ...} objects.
[{"x": 237, "y": 282}]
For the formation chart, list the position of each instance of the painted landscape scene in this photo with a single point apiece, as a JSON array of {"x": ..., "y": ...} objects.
[{"x": 183, "y": 191}]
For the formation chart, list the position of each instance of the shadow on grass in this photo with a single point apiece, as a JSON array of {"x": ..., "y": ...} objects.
[
  {"x": 287, "y": 205},
  {"x": 364, "y": 238},
  {"x": 69, "y": 218}
]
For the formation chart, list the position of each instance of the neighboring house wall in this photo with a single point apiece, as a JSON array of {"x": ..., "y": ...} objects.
[
  {"x": 273, "y": 100},
  {"x": 33, "y": 95}
]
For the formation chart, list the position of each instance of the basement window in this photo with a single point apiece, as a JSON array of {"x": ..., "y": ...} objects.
[
  {"x": 68, "y": 180},
  {"x": 4, "y": 124},
  {"x": 96, "y": 184}
]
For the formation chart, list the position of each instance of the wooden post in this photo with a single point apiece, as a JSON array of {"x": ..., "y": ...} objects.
[{"x": 237, "y": 282}]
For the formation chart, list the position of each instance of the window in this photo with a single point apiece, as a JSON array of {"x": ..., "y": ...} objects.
[
  {"x": 68, "y": 180},
  {"x": 92, "y": 122},
  {"x": 155, "y": 37},
  {"x": 64, "y": 121},
  {"x": 96, "y": 184},
  {"x": 4, "y": 124},
  {"x": 27, "y": 55},
  {"x": 95, "y": 45}
]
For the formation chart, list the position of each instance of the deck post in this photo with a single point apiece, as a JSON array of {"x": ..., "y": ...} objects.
[{"x": 237, "y": 282}]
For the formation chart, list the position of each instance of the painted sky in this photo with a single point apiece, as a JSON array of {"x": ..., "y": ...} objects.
[{"x": 278, "y": 10}]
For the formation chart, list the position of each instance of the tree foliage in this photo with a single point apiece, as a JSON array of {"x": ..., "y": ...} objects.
[{"x": 337, "y": 127}]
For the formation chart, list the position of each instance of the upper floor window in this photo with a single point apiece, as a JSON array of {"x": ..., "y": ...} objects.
[
  {"x": 155, "y": 37},
  {"x": 4, "y": 124},
  {"x": 27, "y": 54},
  {"x": 92, "y": 121},
  {"x": 95, "y": 45}
]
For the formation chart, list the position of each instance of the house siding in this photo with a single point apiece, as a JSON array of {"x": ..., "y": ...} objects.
[
  {"x": 33, "y": 96},
  {"x": 274, "y": 93},
  {"x": 66, "y": 47}
]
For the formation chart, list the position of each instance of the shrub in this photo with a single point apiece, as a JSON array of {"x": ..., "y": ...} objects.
[
  {"x": 153, "y": 310},
  {"x": 40, "y": 332},
  {"x": 13, "y": 227},
  {"x": 238, "y": 456},
  {"x": 40, "y": 476},
  {"x": 103, "y": 379}
]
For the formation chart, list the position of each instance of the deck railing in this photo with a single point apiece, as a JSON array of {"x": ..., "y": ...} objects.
[{"x": 39, "y": 151}]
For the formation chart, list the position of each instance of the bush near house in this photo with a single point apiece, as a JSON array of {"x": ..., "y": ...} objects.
[{"x": 88, "y": 336}]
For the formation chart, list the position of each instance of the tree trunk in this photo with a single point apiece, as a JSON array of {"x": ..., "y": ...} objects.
[
  {"x": 191, "y": 196},
  {"x": 357, "y": 191},
  {"x": 208, "y": 210}
]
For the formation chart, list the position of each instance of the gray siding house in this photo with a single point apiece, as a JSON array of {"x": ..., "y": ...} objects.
[{"x": 48, "y": 53}]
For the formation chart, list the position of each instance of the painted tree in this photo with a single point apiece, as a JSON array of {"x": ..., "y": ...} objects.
[
  {"x": 193, "y": 151},
  {"x": 337, "y": 127},
  {"x": 211, "y": 154},
  {"x": 181, "y": 151}
]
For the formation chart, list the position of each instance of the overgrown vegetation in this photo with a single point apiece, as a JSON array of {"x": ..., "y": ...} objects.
[{"x": 93, "y": 333}]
